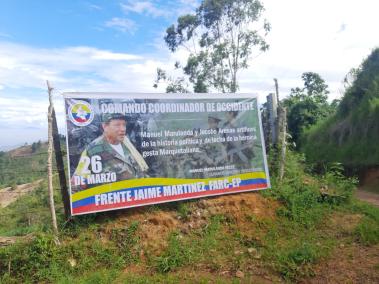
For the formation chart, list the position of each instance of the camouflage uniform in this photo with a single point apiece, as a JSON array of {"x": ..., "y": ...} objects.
[
  {"x": 125, "y": 167},
  {"x": 215, "y": 153},
  {"x": 240, "y": 153}
]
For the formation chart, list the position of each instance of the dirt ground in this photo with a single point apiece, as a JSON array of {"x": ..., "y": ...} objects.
[
  {"x": 21, "y": 151},
  {"x": 370, "y": 197},
  {"x": 368, "y": 189},
  {"x": 370, "y": 179},
  {"x": 350, "y": 262},
  {"x": 156, "y": 226},
  {"x": 9, "y": 195}
]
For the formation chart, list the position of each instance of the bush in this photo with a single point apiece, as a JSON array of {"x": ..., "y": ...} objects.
[
  {"x": 176, "y": 255},
  {"x": 296, "y": 261},
  {"x": 367, "y": 232}
]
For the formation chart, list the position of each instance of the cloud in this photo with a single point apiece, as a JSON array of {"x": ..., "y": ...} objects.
[
  {"x": 300, "y": 42},
  {"x": 23, "y": 111},
  {"x": 122, "y": 24},
  {"x": 97, "y": 54},
  {"x": 26, "y": 67},
  {"x": 144, "y": 7},
  {"x": 24, "y": 71},
  {"x": 5, "y": 35},
  {"x": 94, "y": 7}
]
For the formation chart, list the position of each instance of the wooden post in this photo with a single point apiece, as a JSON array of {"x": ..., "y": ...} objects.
[
  {"x": 60, "y": 168},
  {"x": 276, "y": 90},
  {"x": 50, "y": 164},
  {"x": 272, "y": 107},
  {"x": 266, "y": 127},
  {"x": 283, "y": 140}
]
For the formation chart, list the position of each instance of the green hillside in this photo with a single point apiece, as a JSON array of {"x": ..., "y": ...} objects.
[
  {"x": 351, "y": 135},
  {"x": 291, "y": 232},
  {"x": 23, "y": 165}
]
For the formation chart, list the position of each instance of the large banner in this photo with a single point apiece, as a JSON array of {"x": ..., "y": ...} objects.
[{"x": 127, "y": 150}]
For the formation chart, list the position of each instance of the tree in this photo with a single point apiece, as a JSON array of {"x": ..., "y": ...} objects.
[
  {"x": 220, "y": 38},
  {"x": 308, "y": 105},
  {"x": 358, "y": 83},
  {"x": 36, "y": 146}
]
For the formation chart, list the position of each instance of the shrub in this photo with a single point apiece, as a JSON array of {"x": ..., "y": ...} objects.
[{"x": 367, "y": 232}]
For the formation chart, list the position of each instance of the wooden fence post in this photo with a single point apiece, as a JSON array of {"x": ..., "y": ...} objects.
[
  {"x": 60, "y": 168},
  {"x": 272, "y": 107},
  {"x": 283, "y": 140},
  {"x": 50, "y": 165},
  {"x": 277, "y": 90}
]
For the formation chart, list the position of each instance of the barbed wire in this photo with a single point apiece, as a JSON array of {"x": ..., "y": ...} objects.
[
  {"x": 30, "y": 211},
  {"x": 28, "y": 171},
  {"x": 34, "y": 154}
]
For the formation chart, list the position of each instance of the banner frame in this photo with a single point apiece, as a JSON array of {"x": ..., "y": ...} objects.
[{"x": 174, "y": 96}]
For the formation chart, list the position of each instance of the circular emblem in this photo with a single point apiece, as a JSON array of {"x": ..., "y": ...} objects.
[{"x": 81, "y": 113}]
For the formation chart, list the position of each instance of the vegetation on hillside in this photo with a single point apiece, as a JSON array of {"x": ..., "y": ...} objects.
[
  {"x": 307, "y": 106},
  {"x": 24, "y": 165},
  {"x": 351, "y": 135},
  {"x": 286, "y": 233},
  {"x": 282, "y": 233}
]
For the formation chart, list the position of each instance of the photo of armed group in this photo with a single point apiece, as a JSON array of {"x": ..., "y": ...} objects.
[{"x": 135, "y": 145}]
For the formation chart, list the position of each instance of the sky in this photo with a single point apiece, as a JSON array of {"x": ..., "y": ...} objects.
[{"x": 107, "y": 46}]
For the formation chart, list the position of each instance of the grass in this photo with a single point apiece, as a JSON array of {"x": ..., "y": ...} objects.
[
  {"x": 183, "y": 251},
  {"x": 24, "y": 169},
  {"x": 286, "y": 246},
  {"x": 41, "y": 260},
  {"x": 350, "y": 139},
  {"x": 367, "y": 232}
]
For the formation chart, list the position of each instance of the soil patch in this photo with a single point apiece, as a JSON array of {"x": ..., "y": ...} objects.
[
  {"x": 6, "y": 241},
  {"x": 367, "y": 196},
  {"x": 21, "y": 151},
  {"x": 369, "y": 180},
  {"x": 9, "y": 195},
  {"x": 349, "y": 264},
  {"x": 156, "y": 225}
]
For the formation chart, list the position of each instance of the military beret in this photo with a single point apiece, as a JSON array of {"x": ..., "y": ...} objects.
[{"x": 106, "y": 117}]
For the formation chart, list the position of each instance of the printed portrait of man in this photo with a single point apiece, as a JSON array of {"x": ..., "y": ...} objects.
[{"x": 112, "y": 154}]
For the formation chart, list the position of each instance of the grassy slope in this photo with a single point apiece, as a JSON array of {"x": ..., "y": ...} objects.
[
  {"x": 282, "y": 233},
  {"x": 351, "y": 140},
  {"x": 22, "y": 165},
  {"x": 351, "y": 135}
]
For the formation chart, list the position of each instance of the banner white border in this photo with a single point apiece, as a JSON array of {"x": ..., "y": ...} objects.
[{"x": 174, "y": 96}]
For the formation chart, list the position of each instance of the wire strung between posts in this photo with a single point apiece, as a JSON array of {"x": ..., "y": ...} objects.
[
  {"x": 29, "y": 171},
  {"x": 26, "y": 212}
]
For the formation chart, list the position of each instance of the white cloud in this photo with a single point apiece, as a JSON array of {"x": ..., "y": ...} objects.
[
  {"x": 94, "y": 7},
  {"x": 305, "y": 37},
  {"x": 5, "y": 35},
  {"x": 24, "y": 70},
  {"x": 144, "y": 7},
  {"x": 122, "y": 24},
  {"x": 97, "y": 54},
  {"x": 328, "y": 37},
  {"x": 26, "y": 67}
]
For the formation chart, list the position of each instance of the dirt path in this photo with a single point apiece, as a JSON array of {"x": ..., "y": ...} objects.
[
  {"x": 6, "y": 241},
  {"x": 349, "y": 264},
  {"x": 367, "y": 196},
  {"x": 9, "y": 195}
]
